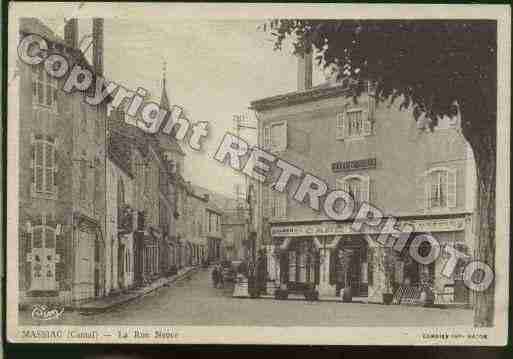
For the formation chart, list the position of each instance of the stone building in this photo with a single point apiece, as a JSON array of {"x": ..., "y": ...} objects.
[
  {"x": 61, "y": 177},
  {"x": 214, "y": 233},
  {"x": 235, "y": 231},
  {"x": 121, "y": 214},
  {"x": 378, "y": 154},
  {"x": 142, "y": 196}
]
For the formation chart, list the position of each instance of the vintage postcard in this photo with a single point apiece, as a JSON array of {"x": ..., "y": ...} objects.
[{"x": 258, "y": 173}]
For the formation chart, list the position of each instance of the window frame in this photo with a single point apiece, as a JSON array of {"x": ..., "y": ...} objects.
[
  {"x": 342, "y": 122},
  {"x": 44, "y": 140},
  {"x": 41, "y": 77},
  {"x": 450, "y": 187},
  {"x": 267, "y": 140},
  {"x": 276, "y": 204},
  {"x": 342, "y": 184}
]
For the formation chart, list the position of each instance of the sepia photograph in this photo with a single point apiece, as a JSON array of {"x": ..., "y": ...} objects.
[{"x": 271, "y": 173}]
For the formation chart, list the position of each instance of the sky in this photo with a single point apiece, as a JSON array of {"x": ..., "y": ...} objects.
[{"x": 214, "y": 70}]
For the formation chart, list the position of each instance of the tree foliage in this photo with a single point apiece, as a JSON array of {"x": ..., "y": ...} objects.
[{"x": 432, "y": 65}]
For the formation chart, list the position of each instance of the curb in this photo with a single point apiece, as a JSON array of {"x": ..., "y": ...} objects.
[{"x": 101, "y": 309}]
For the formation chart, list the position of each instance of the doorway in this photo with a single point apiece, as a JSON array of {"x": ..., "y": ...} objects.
[
  {"x": 350, "y": 265},
  {"x": 300, "y": 263}
]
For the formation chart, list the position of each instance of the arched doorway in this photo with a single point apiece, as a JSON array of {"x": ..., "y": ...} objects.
[{"x": 349, "y": 265}]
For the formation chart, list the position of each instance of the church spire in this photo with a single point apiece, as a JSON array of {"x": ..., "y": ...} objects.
[{"x": 164, "y": 101}]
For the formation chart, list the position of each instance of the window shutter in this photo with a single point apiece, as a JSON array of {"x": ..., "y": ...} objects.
[
  {"x": 267, "y": 137},
  {"x": 55, "y": 166},
  {"x": 283, "y": 205},
  {"x": 49, "y": 167},
  {"x": 427, "y": 193},
  {"x": 345, "y": 187},
  {"x": 32, "y": 159},
  {"x": 340, "y": 131},
  {"x": 38, "y": 166},
  {"x": 367, "y": 124},
  {"x": 365, "y": 197},
  {"x": 420, "y": 193},
  {"x": 283, "y": 135},
  {"x": 451, "y": 188}
]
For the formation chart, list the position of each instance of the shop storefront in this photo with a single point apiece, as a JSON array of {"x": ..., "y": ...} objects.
[{"x": 332, "y": 256}]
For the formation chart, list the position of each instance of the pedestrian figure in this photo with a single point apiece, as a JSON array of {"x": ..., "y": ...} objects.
[
  {"x": 261, "y": 273},
  {"x": 220, "y": 275},
  {"x": 215, "y": 276}
]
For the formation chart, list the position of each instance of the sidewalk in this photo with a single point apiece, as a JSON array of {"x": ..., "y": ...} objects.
[
  {"x": 362, "y": 300},
  {"x": 106, "y": 303}
]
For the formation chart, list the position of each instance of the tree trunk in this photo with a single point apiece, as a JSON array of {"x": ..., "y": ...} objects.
[
  {"x": 485, "y": 232},
  {"x": 482, "y": 137}
]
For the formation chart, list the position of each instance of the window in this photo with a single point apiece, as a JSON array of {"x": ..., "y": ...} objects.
[
  {"x": 353, "y": 123},
  {"x": 43, "y": 258},
  {"x": 44, "y": 88},
  {"x": 357, "y": 186},
  {"x": 43, "y": 165},
  {"x": 439, "y": 188},
  {"x": 275, "y": 203},
  {"x": 275, "y": 136}
]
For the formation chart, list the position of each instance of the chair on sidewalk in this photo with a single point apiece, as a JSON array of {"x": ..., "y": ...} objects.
[{"x": 446, "y": 296}]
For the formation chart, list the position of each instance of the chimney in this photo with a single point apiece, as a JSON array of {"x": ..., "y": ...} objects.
[
  {"x": 71, "y": 33},
  {"x": 98, "y": 45},
  {"x": 304, "y": 71}
]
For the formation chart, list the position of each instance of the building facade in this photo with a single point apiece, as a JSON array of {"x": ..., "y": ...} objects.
[
  {"x": 214, "y": 233},
  {"x": 121, "y": 215},
  {"x": 378, "y": 154},
  {"x": 61, "y": 179},
  {"x": 235, "y": 230}
]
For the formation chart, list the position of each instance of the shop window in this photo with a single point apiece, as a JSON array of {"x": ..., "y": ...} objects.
[
  {"x": 275, "y": 136},
  {"x": 356, "y": 186},
  {"x": 353, "y": 123},
  {"x": 43, "y": 165}
]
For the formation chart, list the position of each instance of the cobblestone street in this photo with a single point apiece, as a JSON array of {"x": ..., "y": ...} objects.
[{"x": 194, "y": 301}]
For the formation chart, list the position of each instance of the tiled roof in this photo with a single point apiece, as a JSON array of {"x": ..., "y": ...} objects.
[{"x": 320, "y": 92}]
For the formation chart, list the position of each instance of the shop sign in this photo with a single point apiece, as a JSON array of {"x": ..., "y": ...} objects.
[
  {"x": 367, "y": 163},
  {"x": 327, "y": 229}
]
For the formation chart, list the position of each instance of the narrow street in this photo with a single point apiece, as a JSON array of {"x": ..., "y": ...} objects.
[{"x": 195, "y": 302}]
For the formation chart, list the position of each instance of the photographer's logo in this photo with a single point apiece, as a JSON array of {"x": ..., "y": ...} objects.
[{"x": 43, "y": 312}]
